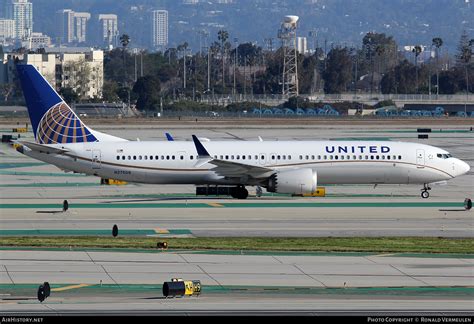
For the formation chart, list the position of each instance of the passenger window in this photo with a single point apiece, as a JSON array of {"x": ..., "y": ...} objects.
[
  {"x": 325, "y": 157},
  {"x": 215, "y": 156},
  {"x": 181, "y": 157},
  {"x": 226, "y": 157},
  {"x": 371, "y": 157},
  {"x": 167, "y": 157},
  {"x": 151, "y": 157},
  {"x": 289, "y": 157},
  {"x": 134, "y": 157},
  {"x": 123, "y": 157},
  {"x": 278, "y": 157},
  {"x": 377, "y": 157},
  {"x": 250, "y": 157},
  {"x": 146, "y": 157},
  {"x": 301, "y": 157},
  {"x": 360, "y": 157},
  {"x": 342, "y": 157},
  {"x": 156, "y": 157},
  {"x": 129, "y": 157},
  {"x": 307, "y": 157},
  {"x": 394, "y": 157},
  {"x": 172, "y": 157},
  {"x": 330, "y": 157},
  {"x": 383, "y": 157},
  {"x": 388, "y": 157},
  {"x": 222, "y": 157},
  {"x": 238, "y": 157},
  {"x": 399, "y": 157},
  {"x": 243, "y": 157},
  {"x": 336, "y": 157},
  {"x": 231, "y": 157},
  {"x": 191, "y": 157},
  {"x": 118, "y": 157},
  {"x": 319, "y": 157},
  {"x": 312, "y": 157},
  {"x": 366, "y": 157}
]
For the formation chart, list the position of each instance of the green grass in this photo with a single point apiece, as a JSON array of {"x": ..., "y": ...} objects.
[{"x": 325, "y": 244}]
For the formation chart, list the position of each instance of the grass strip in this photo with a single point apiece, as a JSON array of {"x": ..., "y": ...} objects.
[{"x": 318, "y": 244}]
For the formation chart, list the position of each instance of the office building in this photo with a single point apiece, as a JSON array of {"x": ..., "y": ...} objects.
[
  {"x": 21, "y": 11},
  {"x": 108, "y": 28},
  {"x": 159, "y": 28}
]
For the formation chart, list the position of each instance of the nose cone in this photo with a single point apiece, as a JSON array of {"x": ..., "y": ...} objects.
[{"x": 462, "y": 167}]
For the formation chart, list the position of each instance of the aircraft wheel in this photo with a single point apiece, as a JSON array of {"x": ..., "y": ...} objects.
[
  {"x": 241, "y": 193},
  {"x": 425, "y": 194}
]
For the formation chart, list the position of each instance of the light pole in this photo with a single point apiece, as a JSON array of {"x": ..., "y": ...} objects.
[{"x": 236, "y": 40}]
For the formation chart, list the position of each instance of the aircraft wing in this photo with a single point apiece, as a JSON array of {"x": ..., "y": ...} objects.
[
  {"x": 229, "y": 169},
  {"x": 42, "y": 148}
]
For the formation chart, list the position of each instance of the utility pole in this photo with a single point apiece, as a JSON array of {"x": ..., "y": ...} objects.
[
  {"x": 184, "y": 68},
  {"x": 135, "y": 57},
  {"x": 235, "y": 62},
  {"x": 208, "y": 69},
  {"x": 141, "y": 63}
]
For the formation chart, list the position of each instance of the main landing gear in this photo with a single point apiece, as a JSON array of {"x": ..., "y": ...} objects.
[
  {"x": 425, "y": 191},
  {"x": 239, "y": 192}
]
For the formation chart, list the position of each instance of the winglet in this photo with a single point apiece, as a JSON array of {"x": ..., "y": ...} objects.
[
  {"x": 169, "y": 137},
  {"x": 202, "y": 152}
]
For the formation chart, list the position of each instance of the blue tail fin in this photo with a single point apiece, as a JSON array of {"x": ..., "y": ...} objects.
[{"x": 51, "y": 118}]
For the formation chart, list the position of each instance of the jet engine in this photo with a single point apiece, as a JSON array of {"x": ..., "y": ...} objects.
[{"x": 296, "y": 182}]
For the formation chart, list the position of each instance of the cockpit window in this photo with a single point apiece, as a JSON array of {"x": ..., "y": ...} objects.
[{"x": 444, "y": 156}]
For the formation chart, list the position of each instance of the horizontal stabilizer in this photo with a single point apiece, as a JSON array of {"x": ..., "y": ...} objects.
[{"x": 42, "y": 148}]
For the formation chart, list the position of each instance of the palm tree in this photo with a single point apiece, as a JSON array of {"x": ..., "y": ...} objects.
[
  {"x": 124, "y": 40},
  {"x": 222, "y": 36},
  {"x": 437, "y": 42},
  {"x": 184, "y": 48},
  {"x": 417, "y": 50}
]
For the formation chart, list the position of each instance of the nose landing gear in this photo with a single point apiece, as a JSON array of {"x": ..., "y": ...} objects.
[{"x": 425, "y": 191}]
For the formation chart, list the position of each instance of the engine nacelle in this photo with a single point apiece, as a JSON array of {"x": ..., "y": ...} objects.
[{"x": 296, "y": 182}]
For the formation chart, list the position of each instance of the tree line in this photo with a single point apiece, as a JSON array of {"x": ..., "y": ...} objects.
[
  {"x": 376, "y": 66},
  {"x": 153, "y": 79}
]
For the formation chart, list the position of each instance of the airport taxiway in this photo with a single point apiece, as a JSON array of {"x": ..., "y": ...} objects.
[
  {"x": 31, "y": 194},
  {"x": 118, "y": 282}
]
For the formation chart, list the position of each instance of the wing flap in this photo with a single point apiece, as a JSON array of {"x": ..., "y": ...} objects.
[{"x": 237, "y": 170}]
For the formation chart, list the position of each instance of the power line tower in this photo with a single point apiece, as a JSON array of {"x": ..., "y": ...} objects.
[{"x": 287, "y": 34}]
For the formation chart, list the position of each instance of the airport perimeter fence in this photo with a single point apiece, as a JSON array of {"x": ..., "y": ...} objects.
[{"x": 286, "y": 113}]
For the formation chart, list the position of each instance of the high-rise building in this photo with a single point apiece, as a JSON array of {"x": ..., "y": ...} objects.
[
  {"x": 109, "y": 28},
  {"x": 81, "y": 19},
  {"x": 302, "y": 45},
  {"x": 65, "y": 25},
  {"x": 7, "y": 30},
  {"x": 72, "y": 26},
  {"x": 21, "y": 11},
  {"x": 159, "y": 28}
]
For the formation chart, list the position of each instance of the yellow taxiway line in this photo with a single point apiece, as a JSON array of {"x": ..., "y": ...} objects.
[{"x": 70, "y": 287}]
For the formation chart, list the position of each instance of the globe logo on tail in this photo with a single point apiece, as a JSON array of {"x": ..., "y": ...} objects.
[{"x": 61, "y": 125}]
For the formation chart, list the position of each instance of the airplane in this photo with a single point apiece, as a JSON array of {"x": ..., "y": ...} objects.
[
  {"x": 169, "y": 137},
  {"x": 288, "y": 167}
]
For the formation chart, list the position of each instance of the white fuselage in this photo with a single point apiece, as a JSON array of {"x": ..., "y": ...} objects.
[{"x": 336, "y": 162}]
